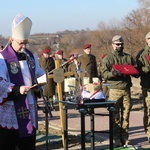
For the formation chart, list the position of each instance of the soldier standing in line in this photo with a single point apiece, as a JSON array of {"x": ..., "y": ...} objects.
[
  {"x": 73, "y": 67},
  {"x": 73, "y": 64},
  {"x": 47, "y": 64},
  {"x": 87, "y": 63},
  {"x": 143, "y": 63},
  {"x": 59, "y": 55},
  {"x": 119, "y": 89}
]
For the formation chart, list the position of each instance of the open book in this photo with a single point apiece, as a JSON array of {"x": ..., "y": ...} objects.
[{"x": 42, "y": 80}]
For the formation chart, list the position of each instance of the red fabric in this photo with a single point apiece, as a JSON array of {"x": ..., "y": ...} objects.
[
  {"x": 59, "y": 52},
  {"x": 125, "y": 69},
  {"x": 71, "y": 55},
  {"x": 148, "y": 58},
  {"x": 87, "y": 46},
  {"x": 103, "y": 56},
  {"x": 46, "y": 51}
]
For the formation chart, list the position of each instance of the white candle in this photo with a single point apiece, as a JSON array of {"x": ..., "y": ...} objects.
[
  {"x": 66, "y": 83},
  {"x": 85, "y": 80},
  {"x": 72, "y": 83},
  {"x": 69, "y": 84},
  {"x": 95, "y": 80}
]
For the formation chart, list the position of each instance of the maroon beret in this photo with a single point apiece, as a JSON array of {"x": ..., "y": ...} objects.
[
  {"x": 87, "y": 46},
  {"x": 59, "y": 52},
  {"x": 46, "y": 51},
  {"x": 71, "y": 55}
]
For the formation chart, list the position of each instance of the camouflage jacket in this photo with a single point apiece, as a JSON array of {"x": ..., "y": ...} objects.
[
  {"x": 122, "y": 82},
  {"x": 143, "y": 64}
]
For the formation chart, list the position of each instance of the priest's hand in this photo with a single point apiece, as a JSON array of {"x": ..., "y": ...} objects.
[{"x": 24, "y": 89}]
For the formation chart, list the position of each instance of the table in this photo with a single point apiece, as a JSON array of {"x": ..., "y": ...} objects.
[{"x": 88, "y": 107}]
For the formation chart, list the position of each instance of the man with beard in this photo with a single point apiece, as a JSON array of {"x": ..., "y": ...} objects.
[
  {"x": 143, "y": 63},
  {"x": 119, "y": 89}
]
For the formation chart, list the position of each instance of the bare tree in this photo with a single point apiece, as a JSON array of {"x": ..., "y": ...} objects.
[
  {"x": 144, "y": 3},
  {"x": 136, "y": 24}
]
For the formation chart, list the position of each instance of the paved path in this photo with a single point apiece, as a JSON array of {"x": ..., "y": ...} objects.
[{"x": 136, "y": 132}]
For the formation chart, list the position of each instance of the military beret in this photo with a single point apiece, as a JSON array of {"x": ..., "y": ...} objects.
[
  {"x": 87, "y": 46},
  {"x": 117, "y": 39},
  {"x": 147, "y": 35},
  {"x": 46, "y": 51},
  {"x": 60, "y": 52},
  {"x": 71, "y": 55}
]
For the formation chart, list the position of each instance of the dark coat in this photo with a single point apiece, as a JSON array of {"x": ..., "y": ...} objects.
[
  {"x": 47, "y": 65},
  {"x": 72, "y": 68},
  {"x": 88, "y": 64}
]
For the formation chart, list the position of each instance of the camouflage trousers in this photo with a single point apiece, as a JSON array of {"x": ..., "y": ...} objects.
[
  {"x": 121, "y": 113},
  {"x": 146, "y": 118}
]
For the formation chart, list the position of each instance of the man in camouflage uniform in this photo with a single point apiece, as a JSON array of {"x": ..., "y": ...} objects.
[
  {"x": 143, "y": 63},
  {"x": 119, "y": 89}
]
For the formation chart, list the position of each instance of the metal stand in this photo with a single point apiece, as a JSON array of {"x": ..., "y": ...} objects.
[
  {"x": 88, "y": 108},
  {"x": 82, "y": 113},
  {"x": 111, "y": 109},
  {"x": 46, "y": 109},
  {"x": 65, "y": 127}
]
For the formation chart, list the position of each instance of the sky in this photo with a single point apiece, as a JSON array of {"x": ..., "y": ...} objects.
[{"x": 59, "y": 15}]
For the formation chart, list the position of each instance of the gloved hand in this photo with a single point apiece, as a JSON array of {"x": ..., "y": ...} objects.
[
  {"x": 116, "y": 73},
  {"x": 146, "y": 69}
]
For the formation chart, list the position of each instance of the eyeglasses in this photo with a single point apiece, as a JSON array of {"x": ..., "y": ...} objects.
[
  {"x": 22, "y": 43},
  {"x": 118, "y": 44}
]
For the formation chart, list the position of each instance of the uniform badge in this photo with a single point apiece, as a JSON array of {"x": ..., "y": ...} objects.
[
  {"x": 14, "y": 68},
  {"x": 31, "y": 63}
]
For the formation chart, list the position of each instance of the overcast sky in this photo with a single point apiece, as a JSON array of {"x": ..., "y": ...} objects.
[{"x": 58, "y": 15}]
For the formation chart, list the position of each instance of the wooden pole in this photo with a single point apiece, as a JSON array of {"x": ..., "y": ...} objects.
[{"x": 60, "y": 97}]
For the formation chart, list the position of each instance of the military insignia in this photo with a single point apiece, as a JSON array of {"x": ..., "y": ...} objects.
[{"x": 14, "y": 67}]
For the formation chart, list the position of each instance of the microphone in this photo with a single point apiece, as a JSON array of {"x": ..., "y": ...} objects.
[
  {"x": 24, "y": 51},
  {"x": 78, "y": 69},
  {"x": 77, "y": 66},
  {"x": 29, "y": 59}
]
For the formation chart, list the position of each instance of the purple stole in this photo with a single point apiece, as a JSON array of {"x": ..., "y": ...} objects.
[{"x": 21, "y": 104}]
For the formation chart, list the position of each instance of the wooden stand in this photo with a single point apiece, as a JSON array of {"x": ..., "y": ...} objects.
[{"x": 58, "y": 76}]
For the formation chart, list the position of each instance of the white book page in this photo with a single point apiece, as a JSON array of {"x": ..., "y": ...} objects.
[{"x": 42, "y": 80}]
